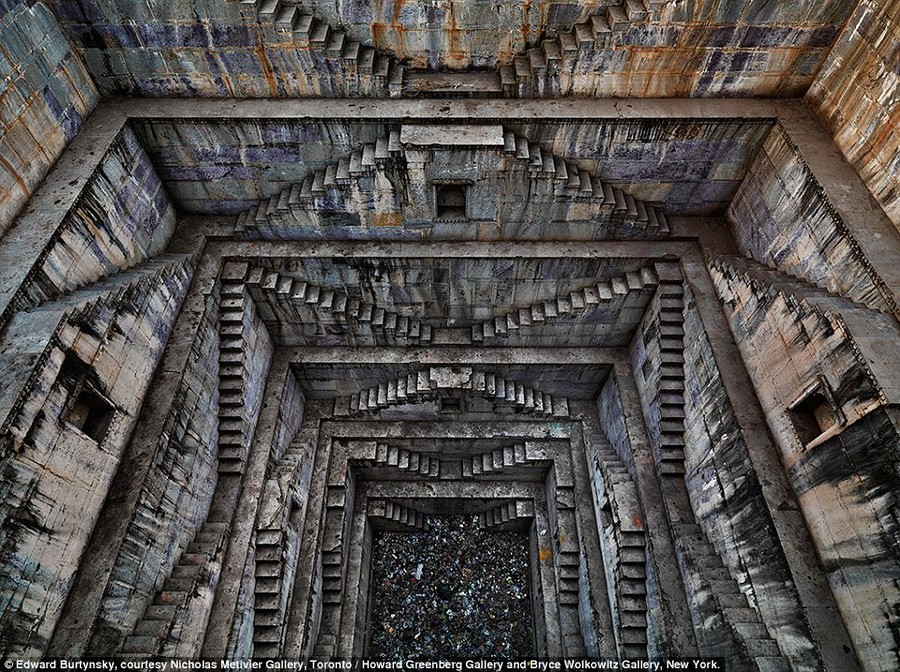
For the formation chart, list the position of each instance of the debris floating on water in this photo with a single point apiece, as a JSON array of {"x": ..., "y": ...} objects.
[{"x": 455, "y": 591}]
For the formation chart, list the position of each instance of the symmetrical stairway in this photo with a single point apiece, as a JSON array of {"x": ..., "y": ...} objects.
[
  {"x": 348, "y": 186},
  {"x": 670, "y": 455},
  {"x": 499, "y": 460},
  {"x": 410, "y": 461},
  {"x": 349, "y": 68},
  {"x": 507, "y": 516},
  {"x": 317, "y": 303},
  {"x": 616, "y": 492},
  {"x": 396, "y": 515},
  {"x": 720, "y": 601},
  {"x": 600, "y": 295},
  {"x": 424, "y": 385},
  {"x": 542, "y": 70},
  {"x": 196, "y": 572}
]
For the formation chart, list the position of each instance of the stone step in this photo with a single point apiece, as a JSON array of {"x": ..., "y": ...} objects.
[
  {"x": 772, "y": 664},
  {"x": 142, "y": 644},
  {"x": 751, "y": 630},
  {"x": 762, "y": 648},
  {"x": 160, "y": 612},
  {"x": 155, "y": 628}
]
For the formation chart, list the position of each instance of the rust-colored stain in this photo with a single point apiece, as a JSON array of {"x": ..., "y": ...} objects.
[
  {"x": 562, "y": 538},
  {"x": 387, "y": 219},
  {"x": 16, "y": 176},
  {"x": 526, "y": 24},
  {"x": 545, "y": 555},
  {"x": 637, "y": 520},
  {"x": 267, "y": 69},
  {"x": 389, "y": 36},
  {"x": 456, "y": 54}
]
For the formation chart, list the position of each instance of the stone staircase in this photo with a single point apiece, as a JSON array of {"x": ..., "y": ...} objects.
[
  {"x": 165, "y": 270},
  {"x": 276, "y": 556},
  {"x": 351, "y": 69},
  {"x": 507, "y": 516},
  {"x": 729, "y": 626},
  {"x": 317, "y": 303},
  {"x": 618, "y": 495},
  {"x": 670, "y": 454},
  {"x": 233, "y": 371},
  {"x": 575, "y": 304},
  {"x": 541, "y": 70},
  {"x": 567, "y": 562},
  {"x": 327, "y": 189},
  {"x": 268, "y": 612},
  {"x": 276, "y": 553},
  {"x": 156, "y": 285},
  {"x": 565, "y": 179},
  {"x": 396, "y": 516},
  {"x": 196, "y": 573},
  {"x": 773, "y": 281},
  {"x": 410, "y": 461},
  {"x": 499, "y": 461},
  {"x": 336, "y": 188},
  {"x": 427, "y": 384}
]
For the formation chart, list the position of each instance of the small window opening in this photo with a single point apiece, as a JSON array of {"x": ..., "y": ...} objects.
[
  {"x": 72, "y": 372},
  {"x": 451, "y": 201},
  {"x": 813, "y": 415},
  {"x": 451, "y": 405},
  {"x": 90, "y": 414}
]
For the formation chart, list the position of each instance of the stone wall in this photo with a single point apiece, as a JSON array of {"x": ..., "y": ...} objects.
[
  {"x": 782, "y": 217},
  {"x": 174, "y": 495},
  {"x": 57, "y": 462},
  {"x": 612, "y": 420},
  {"x": 224, "y": 49},
  {"x": 855, "y": 96},
  {"x": 844, "y": 479},
  {"x": 693, "y": 166},
  {"x": 45, "y": 94},
  {"x": 122, "y": 217},
  {"x": 728, "y": 501}
]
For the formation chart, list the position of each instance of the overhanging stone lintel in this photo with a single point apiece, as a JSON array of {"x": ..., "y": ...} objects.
[{"x": 453, "y": 355}]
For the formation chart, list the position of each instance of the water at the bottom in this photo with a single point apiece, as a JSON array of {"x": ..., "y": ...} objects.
[{"x": 454, "y": 591}]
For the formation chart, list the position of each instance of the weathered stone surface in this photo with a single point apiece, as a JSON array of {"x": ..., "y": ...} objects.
[
  {"x": 57, "y": 471},
  {"x": 261, "y": 50},
  {"x": 855, "y": 96},
  {"x": 45, "y": 94},
  {"x": 782, "y": 217},
  {"x": 527, "y": 310},
  {"x": 794, "y": 340}
]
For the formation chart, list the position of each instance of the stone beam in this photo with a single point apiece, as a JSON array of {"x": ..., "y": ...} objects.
[
  {"x": 453, "y": 355},
  {"x": 637, "y": 249},
  {"x": 468, "y": 110}
]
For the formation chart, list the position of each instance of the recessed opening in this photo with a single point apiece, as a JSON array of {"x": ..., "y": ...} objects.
[
  {"x": 451, "y": 405},
  {"x": 453, "y": 591},
  {"x": 90, "y": 413},
  {"x": 451, "y": 201},
  {"x": 813, "y": 415}
]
